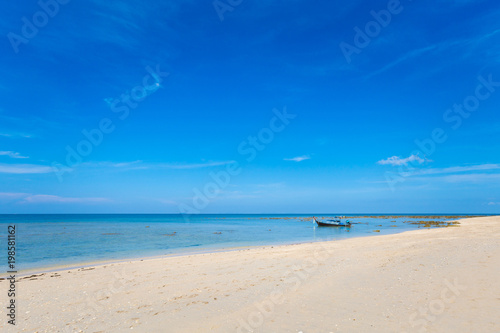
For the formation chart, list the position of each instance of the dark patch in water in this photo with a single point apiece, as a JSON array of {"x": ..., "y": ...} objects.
[{"x": 434, "y": 224}]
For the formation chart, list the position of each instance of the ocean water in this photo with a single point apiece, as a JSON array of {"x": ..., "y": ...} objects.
[{"x": 44, "y": 241}]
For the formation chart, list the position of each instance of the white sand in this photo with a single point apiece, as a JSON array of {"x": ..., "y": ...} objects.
[{"x": 438, "y": 280}]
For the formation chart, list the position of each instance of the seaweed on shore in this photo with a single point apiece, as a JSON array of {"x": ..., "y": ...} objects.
[
  {"x": 446, "y": 217},
  {"x": 434, "y": 224}
]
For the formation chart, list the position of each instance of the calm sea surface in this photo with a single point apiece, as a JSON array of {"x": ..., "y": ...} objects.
[{"x": 51, "y": 240}]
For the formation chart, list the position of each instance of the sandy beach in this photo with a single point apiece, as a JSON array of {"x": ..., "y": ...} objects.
[{"x": 427, "y": 280}]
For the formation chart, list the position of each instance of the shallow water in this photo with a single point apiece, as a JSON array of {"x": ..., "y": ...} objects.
[{"x": 53, "y": 240}]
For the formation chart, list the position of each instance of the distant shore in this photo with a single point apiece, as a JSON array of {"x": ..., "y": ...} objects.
[{"x": 443, "y": 279}]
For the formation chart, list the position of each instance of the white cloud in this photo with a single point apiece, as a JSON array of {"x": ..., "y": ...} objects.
[
  {"x": 12, "y": 154},
  {"x": 396, "y": 160},
  {"x": 24, "y": 168},
  {"x": 298, "y": 158},
  {"x": 493, "y": 203}
]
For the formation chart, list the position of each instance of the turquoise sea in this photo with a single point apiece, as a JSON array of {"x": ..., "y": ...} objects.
[{"x": 44, "y": 241}]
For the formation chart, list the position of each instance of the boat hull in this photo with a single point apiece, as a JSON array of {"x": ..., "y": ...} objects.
[
  {"x": 323, "y": 224},
  {"x": 333, "y": 223}
]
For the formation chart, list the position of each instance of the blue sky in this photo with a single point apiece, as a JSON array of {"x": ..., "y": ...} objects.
[{"x": 262, "y": 94}]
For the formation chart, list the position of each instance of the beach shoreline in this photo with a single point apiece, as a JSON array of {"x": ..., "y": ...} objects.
[
  {"x": 209, "y": 248},
  {"x": 376, "y": 283}
]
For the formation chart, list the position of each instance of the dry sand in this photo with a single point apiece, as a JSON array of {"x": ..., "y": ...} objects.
[{"x": 438, "y": 280}]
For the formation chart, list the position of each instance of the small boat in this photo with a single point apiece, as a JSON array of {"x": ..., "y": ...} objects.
[{"x": 332, "y": 223}]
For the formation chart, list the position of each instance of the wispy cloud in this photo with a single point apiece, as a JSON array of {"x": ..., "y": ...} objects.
[
  {"x": 472, "y": 178},
  {"x": 272, "y": 185},
  {"x": 192, "y": 166},
  {"x": 459, "y": 169},
  {"x": 469, "y": 44},
  {"x": 298, "y": 158},
  {"x": 27, "y": 198},
  {"x": 482, "y": 173},
  {"x": 47, "y": 198},
  {"x": 12, "y": 154},
  {"x": 396, "y": 160},
  {"x": 456, "y": 174},
  {"x": 168, "y": 202},
  {"x": 473, "y": 174},
  {"x": 12, "y": 196},
  {"x": 450, "y": 170},
  {"x": 237, "y": 195},
  {"x": 15, "y": 134},
  {"x": 488, "y": 35},
  {"x": 108, "y": 164},
  {"x": 493, "y": 203},
  {"x": 409, "y": 55},
  {"x": 134, "y": 165},
  {"x": 24, "y": 168},
  {"x": 115, "y": 23},
  {"x": 141, "y": 165}
]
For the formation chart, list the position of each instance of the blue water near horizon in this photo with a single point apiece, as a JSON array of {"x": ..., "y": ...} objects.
[{"x": 44, "y": 240}]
